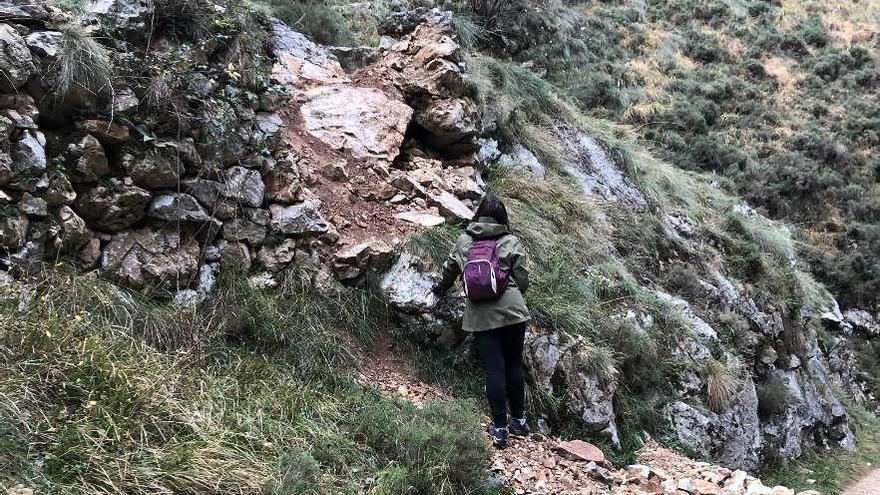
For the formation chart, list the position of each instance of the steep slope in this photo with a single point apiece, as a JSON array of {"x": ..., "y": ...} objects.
[{"x": 236, "y": 172}]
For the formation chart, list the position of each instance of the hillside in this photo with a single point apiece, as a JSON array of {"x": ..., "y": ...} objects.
[{"x": 220, "y": 221}]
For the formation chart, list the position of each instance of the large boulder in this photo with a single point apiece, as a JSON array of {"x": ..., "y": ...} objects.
[
  {"x": 299, "y": 220},
  {"x": 451, "y": 124},
  {"x": 114, "y": 206},
  {"x": 16, "y": 64},
  {"x": 363, "y": 121},
  {"x": 407, "y": 285},
  {"x": 159, "y": 259},
  {"x": 558, "y": 363}
]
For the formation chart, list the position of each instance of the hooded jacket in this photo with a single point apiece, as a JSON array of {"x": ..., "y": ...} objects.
[{"x": 510, "y": 308}]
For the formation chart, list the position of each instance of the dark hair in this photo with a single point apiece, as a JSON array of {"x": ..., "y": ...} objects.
[{"x": 492, "y": 207}]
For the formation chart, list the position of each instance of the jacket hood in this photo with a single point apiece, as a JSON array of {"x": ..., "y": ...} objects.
[{"x": 486, "y": 227}]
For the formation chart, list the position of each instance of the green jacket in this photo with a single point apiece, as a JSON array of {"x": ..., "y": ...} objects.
[{"x": 511, "y": 307}]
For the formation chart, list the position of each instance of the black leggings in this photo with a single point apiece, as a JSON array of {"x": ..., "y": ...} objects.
[{"x": 501, "y": 353}]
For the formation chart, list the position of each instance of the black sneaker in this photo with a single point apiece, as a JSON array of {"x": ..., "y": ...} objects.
[
  {"x": 498, "y": 436},
  {"x": 519, "y": 427}
]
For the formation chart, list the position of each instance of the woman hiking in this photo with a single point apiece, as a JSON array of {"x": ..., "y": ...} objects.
[{"x": 492, "y": 264}]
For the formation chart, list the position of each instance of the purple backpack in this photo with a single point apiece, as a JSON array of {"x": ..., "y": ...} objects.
[{"x": 483, "y": 276}]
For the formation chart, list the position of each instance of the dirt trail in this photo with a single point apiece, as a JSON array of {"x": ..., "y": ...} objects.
[
  {"x": 868, "y": 485},
  {"x": 529, "y": 465}
]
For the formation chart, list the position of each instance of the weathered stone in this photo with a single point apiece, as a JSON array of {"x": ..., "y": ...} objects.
[
  {"x": 16, "y": 64},
  {"x": 300, "y": 62},
  {"x": 178, "y": 207},
  {"x": 245, "y": 186},
  {"x": 90, "y": 253},
  {"x": 597, "y": 173},
  {"x": 521, "y": 158},
  {"x": 427, "y": 220},
  {"x": 28, "y": 160},
  {"x": 128, "y": 15},
  {"x": 407, "y": 285},
  {"x": 155, "y": 171},
  {"x": 277, "y": 257},
  {"x": 451, "y": 207},
  {"x": 13, "y": 231},
  {"x": 113, "y": 207},
  {"x": 862, "y": 321},
  {"x": 60, "y": 191},
  {"x": 44, "y": 43},
  {"x": 124, "y": 100},
  {"x": 352, "y": 58},
  {"x": 267, "y": 127},
  {"x": 451, "y": 125},
  {"x": 74, "y": 233},
  {"x": 234, "y": 255},
  {"x": 283, "y": 181},
  {"x": 211, "y": 194},
  {"x": 579, "y": 450},
  {"x": 33, "y": 206},
  {"x": 164, "y": 258},
  {"x": 250, "y": 227},
  {"x": 108, "y": 133},
  {"x": 91, "y": 161},
  {"x": 351, "y": 261},
  {"x": 362, "y": 121},
  {"x": 300, "y": 219},
  {"x": 556, "y": 359}
]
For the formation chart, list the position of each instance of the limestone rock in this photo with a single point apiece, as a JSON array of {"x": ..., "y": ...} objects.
[
  {"x": 113, "y": 207},
  {"x": 212, "y": 194},
  {"x": 407, "y": 285},
  {"x": 862, "y": 321},
  {"x": 267, "y": 127},
  {"x": 234, "y": 255},
  {"x": 282, "y": 180},
  {"x": 74, "y": 233},
  {"x": 451, "y": 124},
  {"x": 362, "y": 121},
  {"x": 166, "y": 258},
  {"x": 60, "y": 190},
  {"x": 13, "y": 231},
  {"x": 178, "y": 207},
  {"x": 249, "y": 227},
  {"x": 274, "y": 258},
  {"x": 33, "y": 206},
  {"x": 301, "y": 62},
  {"x": 28, "y": 160},
  {"x": 427, "y": 220},
  {"x": 44, "y": 43},
  {"x": 155, "y": 171},
  {"x": 580, "y": 450},
  {"x": 556, "y": 360},
  {"x": 16, "y": 64},
  {"x": 597, "y": 173},
  {"x": 350, "y": 262},
  {"x": 245, "y": 186},
  {"x": 300, "y": 219},
  {"x": 108, "y": 133},
  {"x": 451, "y": 207},
  {"x": 128, "y": 15}
]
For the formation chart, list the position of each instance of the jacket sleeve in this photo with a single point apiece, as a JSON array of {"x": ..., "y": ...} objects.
[
  {"x": 451, "y": 269},
  {"x": 519, "y": 263}
]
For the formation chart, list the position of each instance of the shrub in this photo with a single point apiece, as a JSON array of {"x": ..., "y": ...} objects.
[
  {"x": 722, "y": 385},
  {"x": 83, "y": 65},
  {"x": 773, "y": 397}
]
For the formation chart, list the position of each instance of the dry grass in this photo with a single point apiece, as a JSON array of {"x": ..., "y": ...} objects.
[{"x": 722, "y": 385}]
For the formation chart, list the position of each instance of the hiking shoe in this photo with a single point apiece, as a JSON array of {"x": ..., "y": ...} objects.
[
  {"x": 498, "y": 436},
  {"x": 519, "y": 427}
]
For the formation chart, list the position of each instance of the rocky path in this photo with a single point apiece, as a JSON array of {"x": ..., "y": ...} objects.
[
  {"x": 546, "y": 465},
  {"x": 868, "y": 485}
]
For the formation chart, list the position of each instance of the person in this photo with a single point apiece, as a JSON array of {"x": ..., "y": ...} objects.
[{"x": 499, "y": 326}]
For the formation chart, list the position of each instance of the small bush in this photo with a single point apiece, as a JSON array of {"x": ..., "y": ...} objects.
[
  {"x": 722, "y": 385},
  {"x": 773, "y": 397},
  {"x": 83, "y": 65}
]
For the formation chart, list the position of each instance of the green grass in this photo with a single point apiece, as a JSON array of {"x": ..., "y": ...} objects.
[{"x": 100, "y": 393}]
